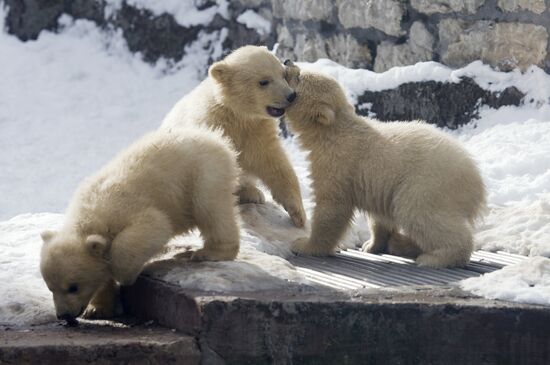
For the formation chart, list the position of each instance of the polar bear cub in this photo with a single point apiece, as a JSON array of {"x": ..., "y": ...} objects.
[
  {"x": 421, "y": 189},
  {"x": 161, "y": 186},
  {"x": 243, "y": 95}
]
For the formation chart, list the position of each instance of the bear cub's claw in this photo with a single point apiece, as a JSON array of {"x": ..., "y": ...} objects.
[
  {"x": 98, "y": 312},
  {"x": 372, "y": 247},
  {"x": 297, "y": 215}
]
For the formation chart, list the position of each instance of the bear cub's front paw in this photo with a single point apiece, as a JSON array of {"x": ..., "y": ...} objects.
[
  {"x": 297, "y": 214},
  {"x": 96, "y": 311},
  {"x": 302, "y": 246},
  {"x": 250, "y": 194}
]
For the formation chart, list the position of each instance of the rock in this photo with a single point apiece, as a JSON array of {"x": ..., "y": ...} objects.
[
  {"x": 154, "y": 36},
  {"x": 446, "y": 6},
  {"x": 27, "y": 18},
  {"x": 303, "y": 9},
  {"x": 418, "y": 48},
  {"x": 502, "y": 45},
  {"x": 443, "y": 104},
  {"x": 535, "y": 6},
  {"x": 341, "y": 48},
  {"x": 420, "y": 325},
  {"x": 383, "y": 15},
  {"x": 97, "y": 342}
]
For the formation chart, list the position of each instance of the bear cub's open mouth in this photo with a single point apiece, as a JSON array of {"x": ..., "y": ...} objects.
[{"x": 275, "y": 112}]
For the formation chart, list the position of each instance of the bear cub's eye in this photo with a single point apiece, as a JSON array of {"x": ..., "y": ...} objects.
[
  {"x": 264, "y": 82},
  {"x": 73, "y": 288}
]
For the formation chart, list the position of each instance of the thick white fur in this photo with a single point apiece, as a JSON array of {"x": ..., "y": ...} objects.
[
  {"x": 232, "y": 99},
  {"x": 118, "y": 219},
  {"x": 421, "y": 189}
]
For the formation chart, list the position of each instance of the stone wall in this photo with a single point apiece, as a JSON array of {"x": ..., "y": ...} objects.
[
  {"x": 380, "y": 34},
  {"x": 372, "y": 34}
]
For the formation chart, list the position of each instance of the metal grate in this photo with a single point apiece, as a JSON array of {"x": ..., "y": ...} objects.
[{"x": 353, "y": 269}]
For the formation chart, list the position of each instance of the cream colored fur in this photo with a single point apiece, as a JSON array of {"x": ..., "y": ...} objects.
[
  {"x": 161, "y": 186},
  {"x": 422, "y": 191},
  {"x": 232, "y": 99}
]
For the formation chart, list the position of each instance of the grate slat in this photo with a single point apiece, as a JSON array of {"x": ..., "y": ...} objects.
[{"x": 353, "y": 269}]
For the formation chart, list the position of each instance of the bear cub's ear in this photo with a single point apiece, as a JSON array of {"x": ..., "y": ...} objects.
[
  {"x": 47, "y": 236},
  {"x": 292, "y": 73},
  {"x": 326, "y": 115},
  {"x": 96, "y": 245},
  {"x": 221, "y": 72}
]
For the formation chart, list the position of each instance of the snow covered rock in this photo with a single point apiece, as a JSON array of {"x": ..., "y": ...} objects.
[{"x": 443, "y": 104}]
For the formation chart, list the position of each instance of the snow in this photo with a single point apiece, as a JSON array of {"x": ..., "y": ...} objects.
[
  {"x": 185, "y": 12},
  {"x": 23, "y": 295},
  {"x": 70, "y": 101},
  {"x": 526, "y": 282},
  {"x": 534, "y": 82},
  {"x": 253, "y": 20}
]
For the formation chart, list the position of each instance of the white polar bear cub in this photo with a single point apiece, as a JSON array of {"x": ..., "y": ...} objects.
[
  {"x": 421, "y": 189},
  {"x": 243, "y": 96},
  {"x": 161, "y": 186}
]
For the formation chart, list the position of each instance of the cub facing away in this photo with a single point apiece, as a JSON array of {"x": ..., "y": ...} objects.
[
  {"x": 118, "y": 219},
  {"x": 421, "y": 189}
]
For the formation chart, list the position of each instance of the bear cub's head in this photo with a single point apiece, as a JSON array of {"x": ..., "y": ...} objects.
[
  {"x": 320, "y": 99},
  {"x": 73, "y": 269},
  {"x": 252, "y": 83}
]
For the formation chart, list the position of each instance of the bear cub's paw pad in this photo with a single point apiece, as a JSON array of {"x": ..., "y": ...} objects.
[
  {"x": 251, "y": 194},
  {"x": 205, "y": 254},
  {"x": 371, "y": 247},
  {"x": 98, "y": 312},
  {"x": 302, "y": 246}
]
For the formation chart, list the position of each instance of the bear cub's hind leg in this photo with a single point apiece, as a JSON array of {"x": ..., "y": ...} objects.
[
  {"x": 216, "y": 219},
  {"x": 380, "y": 235}
]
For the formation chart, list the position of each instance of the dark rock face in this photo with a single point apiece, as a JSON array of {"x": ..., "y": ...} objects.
[
  {"x": 27, "y": 18},
  {"x": 443, "y": 104},
  {"x": 154, "y": 36}
]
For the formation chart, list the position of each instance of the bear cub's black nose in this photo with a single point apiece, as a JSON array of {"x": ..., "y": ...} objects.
[{"x": 291, "y": 97}]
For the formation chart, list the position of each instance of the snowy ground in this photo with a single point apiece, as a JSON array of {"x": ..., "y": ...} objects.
[{"x": 69, "y": 102}]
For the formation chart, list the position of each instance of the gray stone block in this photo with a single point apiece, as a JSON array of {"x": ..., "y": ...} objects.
[
  {"x": 447, "y": 6},
  {"x": 502, "y": 45},
  {"x": 535, "y": 6},
  {"x": 97, "y": 342},
  {"x": 418, "y": 48},
  {"x": 383, "y": 15}
]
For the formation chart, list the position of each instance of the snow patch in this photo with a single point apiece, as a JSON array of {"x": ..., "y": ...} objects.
[
  {"x": 534, "y": 82},
  {"x": 24, "y": 298},
  {"x": 526, "y": 282},
  {"x": 185, "y": 12},
  {"x": 253, "y": 20}
]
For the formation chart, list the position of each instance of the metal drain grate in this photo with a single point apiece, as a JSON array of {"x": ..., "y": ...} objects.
[{"x": 353, "y": 269}]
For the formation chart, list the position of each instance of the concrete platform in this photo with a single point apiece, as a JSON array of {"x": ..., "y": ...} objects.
[
  {"x": 351, "y": 313},
  {"x": 97, "y": 342}
]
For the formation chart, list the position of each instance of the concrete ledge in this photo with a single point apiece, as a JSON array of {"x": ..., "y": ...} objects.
[
  {"x": 97, "y": 342},
  {"x": 422, "y": 325}
]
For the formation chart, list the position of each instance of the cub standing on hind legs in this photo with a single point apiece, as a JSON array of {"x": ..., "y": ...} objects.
[
  {"x": 118, "y": 219},
  {"x": 408, "y": 176},
  {"x": 243, "y": 96}
]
